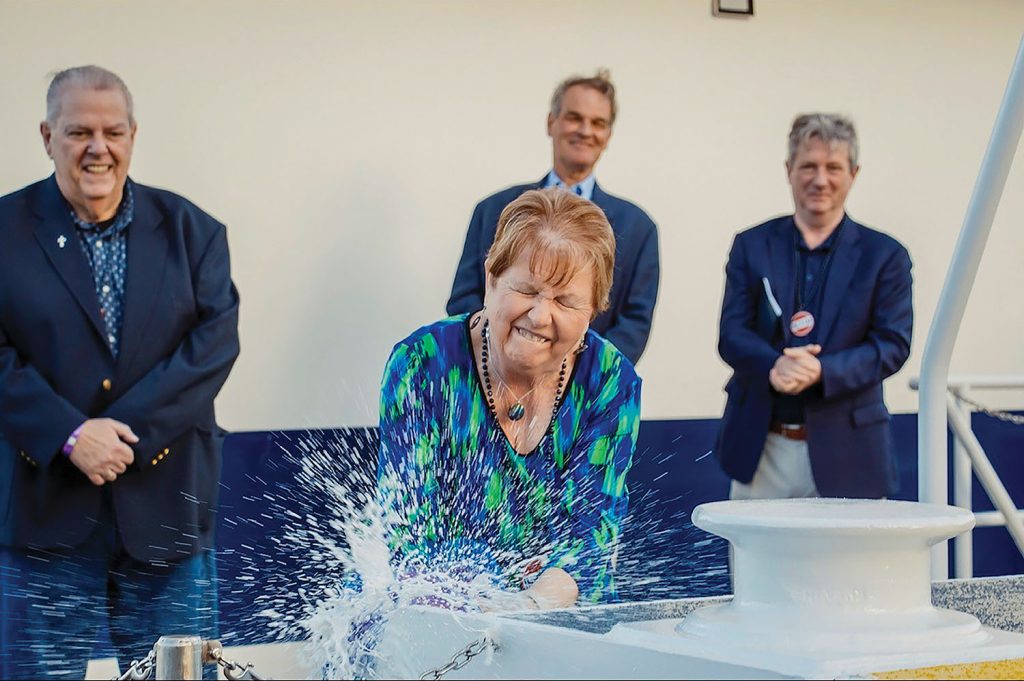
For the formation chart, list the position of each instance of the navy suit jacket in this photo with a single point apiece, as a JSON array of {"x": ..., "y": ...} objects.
[
  {"x": 627, "y": 322},
  {"x": 178, "y": 343},
  {"x": 864, "y": 329}
]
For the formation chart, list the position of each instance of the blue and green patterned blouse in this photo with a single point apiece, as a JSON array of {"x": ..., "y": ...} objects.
[{"x": 449, "y": 473}]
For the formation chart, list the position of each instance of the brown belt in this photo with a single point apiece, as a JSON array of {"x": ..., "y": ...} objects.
[{"x": 790, "y": 431}]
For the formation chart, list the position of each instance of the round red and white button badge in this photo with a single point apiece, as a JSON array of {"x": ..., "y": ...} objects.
[{"x": 801, "y": 323}]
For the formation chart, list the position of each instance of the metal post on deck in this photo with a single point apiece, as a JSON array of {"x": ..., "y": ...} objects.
[
  {"x": 981, "y": 209},
  {"x": 963, "y": 477},
  {"x": 179, "y": 657},
  {"x": 987, "y": 475}
]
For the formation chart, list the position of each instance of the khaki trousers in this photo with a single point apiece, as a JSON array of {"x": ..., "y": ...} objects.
[{"x": 784, "y": 472}]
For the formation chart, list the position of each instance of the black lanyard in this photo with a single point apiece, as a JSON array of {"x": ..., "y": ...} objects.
[{"x": 801, "y": 272}]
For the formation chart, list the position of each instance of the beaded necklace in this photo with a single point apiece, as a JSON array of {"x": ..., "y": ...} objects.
[{"x": 517, "y": 410}]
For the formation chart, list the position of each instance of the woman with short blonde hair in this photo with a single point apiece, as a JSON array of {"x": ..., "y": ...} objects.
[
  {"x": 556, "y": 224},
  {"x": 511, "y": 430}
]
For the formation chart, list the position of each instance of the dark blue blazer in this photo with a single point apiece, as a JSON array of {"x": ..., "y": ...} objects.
[
  {"x": 627, "y": 322},
  {"x": 865, "y": 327},
  {"x": 178, "y": 343}
]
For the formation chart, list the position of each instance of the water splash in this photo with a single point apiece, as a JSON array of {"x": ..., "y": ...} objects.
[
  {"x": 322, "y": 571},
  {"x": 327, "y": 575}
]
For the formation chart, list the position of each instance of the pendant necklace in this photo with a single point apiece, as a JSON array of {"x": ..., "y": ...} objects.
[{"x": 517, "y": 410}]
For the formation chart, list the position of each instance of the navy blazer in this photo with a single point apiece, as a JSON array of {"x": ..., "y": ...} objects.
[
  {"x": 178, "y": 343},
  {"x": 627, "y": 322},
  {"x": 865, "y": 328}
]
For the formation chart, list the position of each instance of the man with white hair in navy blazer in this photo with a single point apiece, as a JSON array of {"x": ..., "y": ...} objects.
[{"x": 118, "y": 327}]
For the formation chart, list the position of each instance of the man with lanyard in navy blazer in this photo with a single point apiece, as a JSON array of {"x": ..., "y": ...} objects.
[
  {"x": 118, "y": 327},
  {"x": 579, "y": 124},
  {"x": 817, "y": 313}
]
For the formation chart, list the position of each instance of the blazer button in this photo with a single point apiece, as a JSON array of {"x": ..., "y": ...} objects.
[{"x": 107, "y": 385}]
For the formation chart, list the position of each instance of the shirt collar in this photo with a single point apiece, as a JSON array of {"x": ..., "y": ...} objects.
[
  {"x": 826, "y": 246},
  {"x": 123, "y": 217},
  {"x": 586, "y": 185}
]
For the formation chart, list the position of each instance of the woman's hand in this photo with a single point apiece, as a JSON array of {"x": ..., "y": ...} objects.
[{"x": 555, "y": 588}]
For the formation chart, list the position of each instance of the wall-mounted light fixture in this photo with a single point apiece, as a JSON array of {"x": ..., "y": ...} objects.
[{"x": 732, "y": 8}]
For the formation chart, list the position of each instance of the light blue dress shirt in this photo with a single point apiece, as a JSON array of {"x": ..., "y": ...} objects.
[{"x": 584, "y": 188}]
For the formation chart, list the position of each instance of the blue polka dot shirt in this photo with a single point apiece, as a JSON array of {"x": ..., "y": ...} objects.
[{"x": 106, "y": 248}]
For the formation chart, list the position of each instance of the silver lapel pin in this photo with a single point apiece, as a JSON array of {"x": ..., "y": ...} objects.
[{"x": 61, "y": 240}]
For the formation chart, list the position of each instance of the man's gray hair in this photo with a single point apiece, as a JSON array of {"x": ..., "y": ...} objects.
[
  {"x": 601, "y": 81},
  {"x": 831, "y": 129},
  {"x": 89, "y": 77}
]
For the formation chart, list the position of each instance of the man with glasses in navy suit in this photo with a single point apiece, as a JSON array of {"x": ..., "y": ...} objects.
[{"x": 579, "y": 124}]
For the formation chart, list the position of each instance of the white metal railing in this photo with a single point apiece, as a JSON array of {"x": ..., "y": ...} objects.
[
  {"x": 938, "y": 348},
  {"x": 969, "y": 459}
]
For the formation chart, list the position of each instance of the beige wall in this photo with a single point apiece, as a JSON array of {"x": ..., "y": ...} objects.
[{"x": 345, "y": 144}]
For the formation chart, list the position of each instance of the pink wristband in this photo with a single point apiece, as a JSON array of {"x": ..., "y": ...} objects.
[{"x": 72, "y": 439}]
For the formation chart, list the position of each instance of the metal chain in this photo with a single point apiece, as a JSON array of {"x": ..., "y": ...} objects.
[
  {"x": 1006, "y": 416},
  {"x": 139, "y": 669},
  {"x": 232, "y": 670},
  {"x": 461, "y": 658}
]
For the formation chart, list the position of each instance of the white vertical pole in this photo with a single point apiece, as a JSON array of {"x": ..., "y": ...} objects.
[
  {"x": 963, "y": 477},
  {"x": 988, "y": 188}
]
